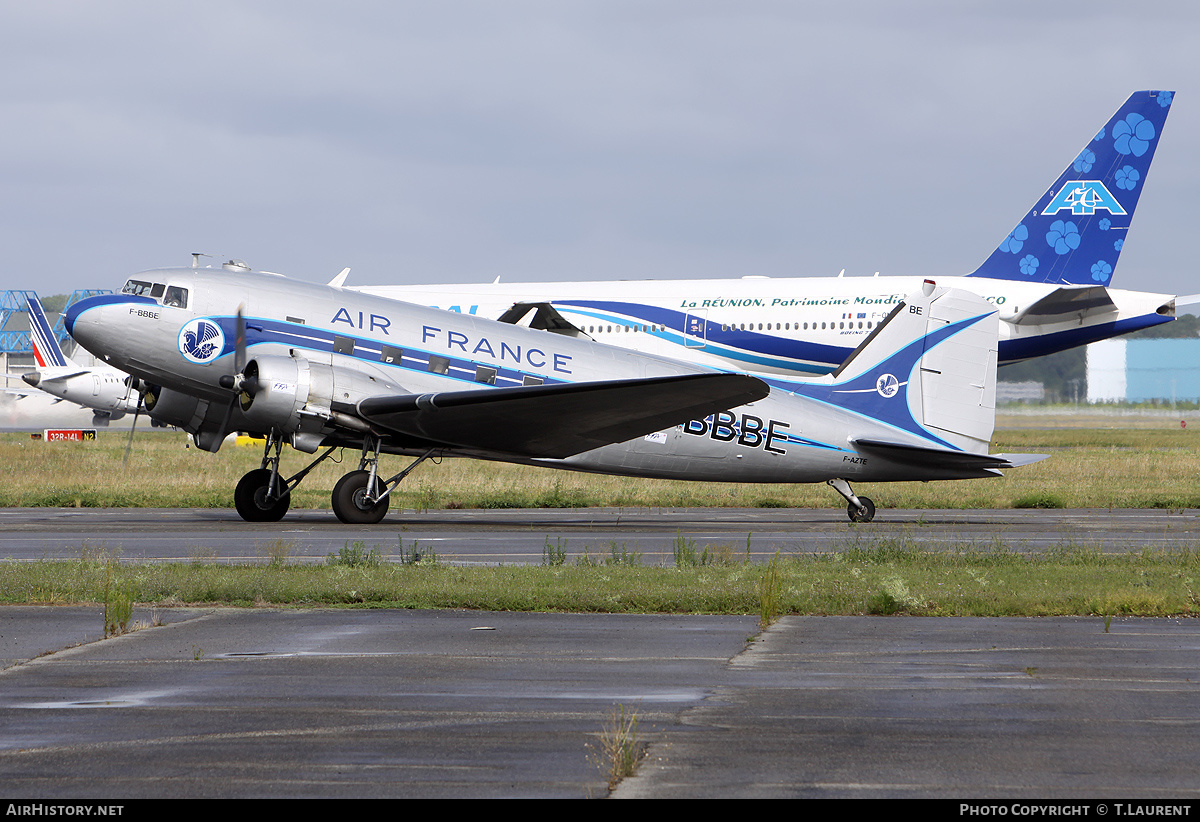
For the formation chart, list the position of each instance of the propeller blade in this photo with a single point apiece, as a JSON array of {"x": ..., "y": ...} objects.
[
  {"x": 133, "y": 427},
  {"x": 239, "y": 354}
]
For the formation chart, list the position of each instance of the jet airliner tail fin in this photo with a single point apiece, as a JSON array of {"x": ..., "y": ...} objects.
[
  {"x": 1074, "y": 233},
  {"x": 46, "y": 350}
]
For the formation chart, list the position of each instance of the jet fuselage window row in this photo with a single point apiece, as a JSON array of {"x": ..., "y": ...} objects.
[
  {"x": 601, "y": 329},
  {"x": 171, "y": 296}
]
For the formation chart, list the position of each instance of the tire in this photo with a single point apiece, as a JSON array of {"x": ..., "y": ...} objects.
[
  {"x": 864, "y": 514},
  {"x": 250, "y": 498},
  {"x": 348, "y": 502}
]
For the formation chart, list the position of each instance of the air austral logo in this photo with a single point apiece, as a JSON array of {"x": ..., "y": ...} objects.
[
  {"x": 201, "y": 341},
  {"x": 1084, "y": 197}
]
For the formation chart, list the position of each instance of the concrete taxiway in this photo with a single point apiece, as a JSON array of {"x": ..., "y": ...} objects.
[
  {"x": 380, "y": 703},
  {"x": 520, "y": 536}
]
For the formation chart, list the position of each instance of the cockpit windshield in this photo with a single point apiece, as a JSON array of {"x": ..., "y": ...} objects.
[
  {"x": 169, "y": 295},
  {"x": 137, "y": 288}
]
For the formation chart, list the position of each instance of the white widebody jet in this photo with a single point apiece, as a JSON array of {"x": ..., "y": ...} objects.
[
  {"x": 1049, "y": 281},
  {"x": 110, "y": 393},
  {"x": 322, "y": 367}
]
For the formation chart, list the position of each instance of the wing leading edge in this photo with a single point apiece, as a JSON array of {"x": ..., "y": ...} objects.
[{"x": 558, "y": 421}]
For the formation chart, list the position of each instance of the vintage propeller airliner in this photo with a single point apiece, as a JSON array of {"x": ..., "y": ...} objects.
[{"x": 320, "y": 367}]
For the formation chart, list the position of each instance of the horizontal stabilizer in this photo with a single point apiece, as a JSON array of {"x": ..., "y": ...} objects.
[
  {"x": 1068, "y": 302},
  {"x": 55, "y": 376},
  {"x": 557, "y": 421},
  {"x": 925, "y": 457}
]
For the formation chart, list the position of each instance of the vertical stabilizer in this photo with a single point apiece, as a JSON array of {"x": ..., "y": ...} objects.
[
  {"x": 1075, "y": 231},
  {"x": 928, "y": 372},
  {"x": 45, "y": 347}
]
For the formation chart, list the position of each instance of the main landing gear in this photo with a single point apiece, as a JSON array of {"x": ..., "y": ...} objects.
[
  {"x": 361, "y": 497},
  {"x": 264, "y": 496},
  {"x": 859, "y": 509}
]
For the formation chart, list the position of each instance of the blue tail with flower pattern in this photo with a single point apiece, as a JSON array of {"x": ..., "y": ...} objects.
[{"x": 1075, "y": 231}]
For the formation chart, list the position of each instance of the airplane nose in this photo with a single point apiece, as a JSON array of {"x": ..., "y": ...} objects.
[{"x": 33, "y": 378}]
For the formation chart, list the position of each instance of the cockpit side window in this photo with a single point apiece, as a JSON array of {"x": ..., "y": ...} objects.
[
  {"x": 175, "y": 297},
  {"x": 137, "y": 288}
]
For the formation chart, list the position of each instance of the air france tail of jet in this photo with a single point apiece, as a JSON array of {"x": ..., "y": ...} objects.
[
  {"x": 46, "y": 350},
  {"x": 105, "y": 390},
  {"x": 1049, "y": 279}
]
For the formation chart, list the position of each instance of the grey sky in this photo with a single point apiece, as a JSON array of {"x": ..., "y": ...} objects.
[{"x": 460, "y": 141}]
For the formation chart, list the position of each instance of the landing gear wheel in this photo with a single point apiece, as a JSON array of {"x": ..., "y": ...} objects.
[
  {"x": 250, "y": 498},
  {"x": 350, "y": 502},
  {"x": 864, "y": 514}
]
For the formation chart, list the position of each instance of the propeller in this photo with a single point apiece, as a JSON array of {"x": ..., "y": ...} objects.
[
  {"x": 134, "y": 384},
  {"x": 244, "y": 381}
]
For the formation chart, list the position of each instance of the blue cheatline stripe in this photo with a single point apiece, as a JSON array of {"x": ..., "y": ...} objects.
[{"x": 262, "y": 331}]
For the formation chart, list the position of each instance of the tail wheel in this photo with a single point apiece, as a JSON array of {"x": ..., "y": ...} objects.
[
  {"x": 864, "y": 514},
  {"x": 350, "y": 499},
  {"x": 252, "y": 501}
]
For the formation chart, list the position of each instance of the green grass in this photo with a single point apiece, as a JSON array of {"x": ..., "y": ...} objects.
[
  {"x": 1088, "y": 468},
  {"x": 876, "y": 576}
]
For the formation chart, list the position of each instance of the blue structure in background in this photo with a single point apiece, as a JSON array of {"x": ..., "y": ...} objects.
[
  {"x": 1162, "y": 370},
  {"x": 12, "y": 303}
]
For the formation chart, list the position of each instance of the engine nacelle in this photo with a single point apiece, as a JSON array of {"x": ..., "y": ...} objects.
[
  {"x": 202, "y": 419},
  {"x": 274, "y": 391},
  {"x": 304, "y": 399}
]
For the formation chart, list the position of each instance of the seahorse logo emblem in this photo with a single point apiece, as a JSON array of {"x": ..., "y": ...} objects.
[
  {"x": 887, "y": 386},
  {"x": 200, "y": 341}
]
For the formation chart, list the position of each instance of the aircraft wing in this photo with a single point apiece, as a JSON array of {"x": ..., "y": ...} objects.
[
  {"x": 918, "y": 455},
  {"x": 557, "y": 421},
  {"x": 1067, "y": 302}
]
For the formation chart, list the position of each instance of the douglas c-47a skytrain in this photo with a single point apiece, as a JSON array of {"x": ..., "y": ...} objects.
[
  {"x": 1048, "y": 280},
  {"x": 322, "y": 367}
]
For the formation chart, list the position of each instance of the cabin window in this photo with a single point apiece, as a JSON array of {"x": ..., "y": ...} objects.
[
  {"x": 391, "y": 355},
  {"x": 531, "y": 380},
  {"x": 485, "y": 375},
  {"x": 439, "y": 365},
  {"x": 343, "y": 345}
]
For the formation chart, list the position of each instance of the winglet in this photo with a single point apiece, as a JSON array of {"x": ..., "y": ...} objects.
[{"x": 1075, "y": 231}]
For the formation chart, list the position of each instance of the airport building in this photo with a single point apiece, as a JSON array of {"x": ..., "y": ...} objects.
[{"x": 1162, "y": 370}]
